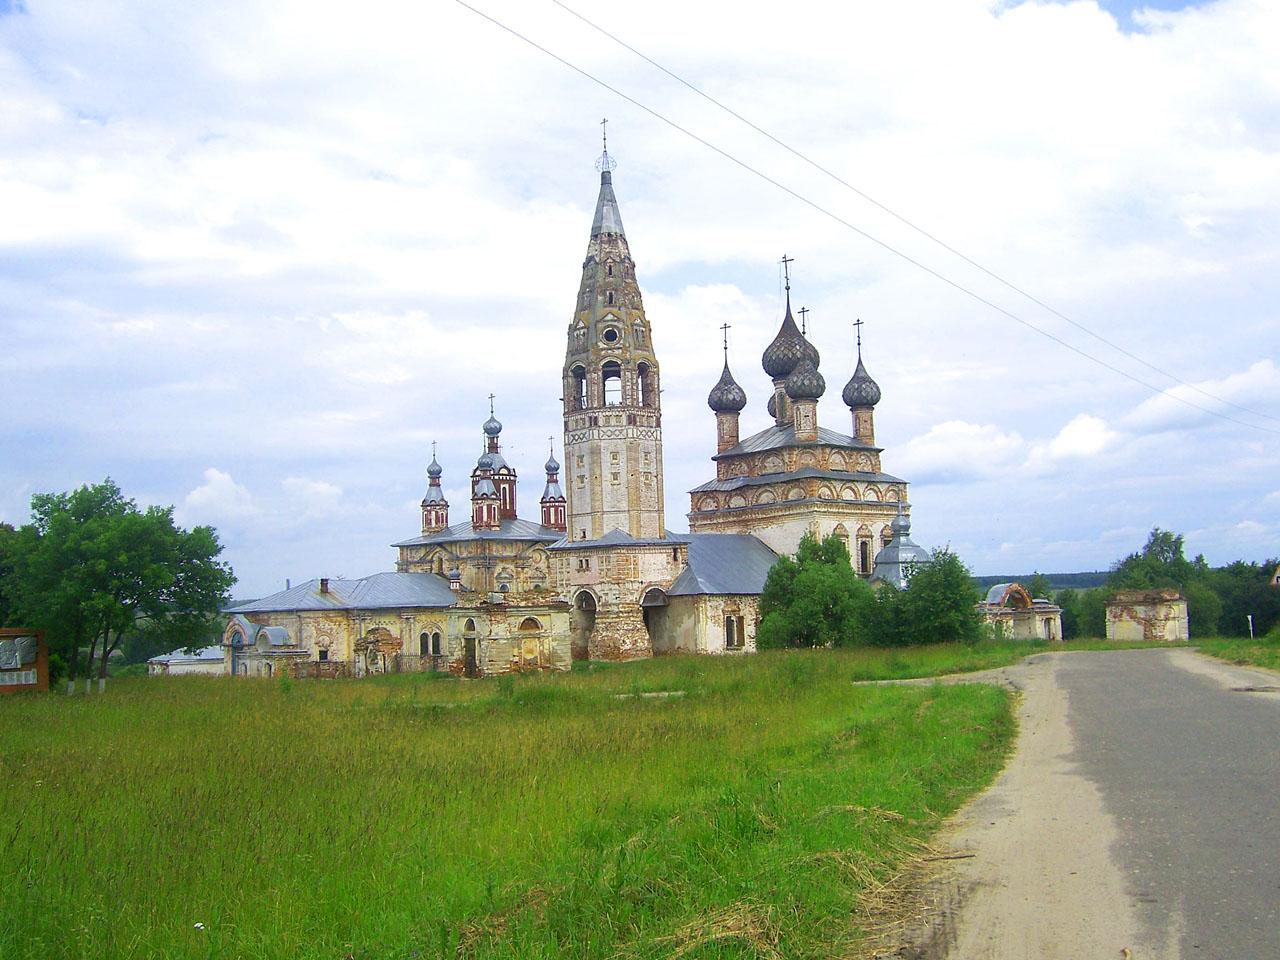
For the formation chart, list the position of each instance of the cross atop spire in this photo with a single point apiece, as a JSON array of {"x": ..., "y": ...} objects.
[
  {"x": 786, "y": 269},
  {"x": 802, "y": 311},
  {"x": 724, "y": 329},
  {"x": 857, "y": 325},
  {"x": 606, "y": 163},
  {"x": 491, "y": 398}
]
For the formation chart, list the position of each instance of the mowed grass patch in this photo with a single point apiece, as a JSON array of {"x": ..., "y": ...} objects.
[
  {"x": 940, "y": 659},
  {"x": 518, "y": 817}
]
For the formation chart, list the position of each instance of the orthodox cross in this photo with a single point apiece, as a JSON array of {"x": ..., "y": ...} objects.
[
  {"x": 802, "y": 311},
  {"x": 786, "y": 263},
  {"x": 551, "y": 442},
  {"x": 605, "y": 162},
  {"x": 604, "y": 133},
  {"x": 724, "y": 328},
  {"x": 433, "y": 449},
  {"x": 857, "y": 325},
  {"x": 491, "y": 404}
]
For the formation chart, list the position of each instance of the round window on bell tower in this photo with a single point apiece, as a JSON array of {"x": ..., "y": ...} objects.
[{"x": 611, "y": 335}]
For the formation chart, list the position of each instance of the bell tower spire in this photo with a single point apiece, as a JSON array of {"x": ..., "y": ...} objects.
[{"x": 612, "y": 404}]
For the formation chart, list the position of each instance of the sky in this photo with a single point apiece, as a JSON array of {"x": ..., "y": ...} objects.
[{"x": 256, "y": 257}]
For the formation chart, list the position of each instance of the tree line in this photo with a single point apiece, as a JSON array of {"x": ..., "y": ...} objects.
[{"x": 95, "y": 572}]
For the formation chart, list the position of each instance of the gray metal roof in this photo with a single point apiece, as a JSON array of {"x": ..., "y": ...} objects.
[
  {"x": 775, "y": 437},
  {"x": 608, "y": 217},
  {"x": 552, "y": 491},
  {"x": 899, "y": 555},
  {"x": 620, "y": 538},
  {"x": 737, "y": 483},
  {"x": 380, "y": 591},
  {"x": 724, "y": 563},
  {"x": 507, "y": 530},
  {"x": 204, "y": 654}
]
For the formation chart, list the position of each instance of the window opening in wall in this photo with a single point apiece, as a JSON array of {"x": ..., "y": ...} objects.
[
  {"x": 435, "y": 643},
  {"x": 424, "y": 645},
  {"x": 580, "y": 387},
  {"x": 864, "y": 556},
  {"x": 610, "y": 268},
  {"x": 323, "y": 655},
  {"x": 611, "y": 373},
  {"x": 610, "y": 295},
  {"x": 644, "y": 384},
  {"x": 611, "y": 335}
]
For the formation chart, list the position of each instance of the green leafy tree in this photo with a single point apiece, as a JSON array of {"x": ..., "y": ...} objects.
[
  {"x": 1245, "y": 590},
  {"x": 1069, "y": 601},
  {"x": 1039, "y": 588},
  {"x": 8, "y": 544},
  {"x": 815, "y": 600},
  {"x": 91, "y": 569},
  {"x": 940, "y": 603}
]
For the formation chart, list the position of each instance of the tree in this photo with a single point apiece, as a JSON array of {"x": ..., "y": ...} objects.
[
  {"x": 1162, "y": 564},
  {"x": 1245, "y": 590},
  {"x": 91, "y": 568},
  {"x": 815, "y": 600},
  {"x": 1039, "y": 587},
  {"x": 940, "y": 602}
]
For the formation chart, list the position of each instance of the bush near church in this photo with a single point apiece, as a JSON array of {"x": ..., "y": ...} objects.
[{"x": 816, "y": 600}]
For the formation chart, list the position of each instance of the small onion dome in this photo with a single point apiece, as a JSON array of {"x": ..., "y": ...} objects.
[
  {"x": 901, "y": 526},
  {"x": 781, "y": 356},
  {"x": 861, "y": 390},
  {"x": 726, "y": 396},
  {"x": 552, "y": 466},
  {"x": 805, "y": 382},
  {"x": 772, "y": 405},
  {"x": 492, "y": 427},
  {"x": 485, "y": 462},
  {"x": 434, "y": 469},
  {"x": 455, "y": 574}
]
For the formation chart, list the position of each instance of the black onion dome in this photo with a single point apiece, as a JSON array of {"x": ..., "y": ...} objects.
[
  {"x": 805, "y": 382},
  {"x": 781, "y": 356},
  {"x": 726, "y": 396},
  {"x": 861, "y": 390},
  {"x": 772, "y": 405}
]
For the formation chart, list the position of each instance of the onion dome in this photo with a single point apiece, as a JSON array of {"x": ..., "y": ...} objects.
[
  {"x": 861, "y": 390},
  {"x": 485, "y": 462},
  {"x": 782, "y": 355},
  {"x": 455, "y": 574},
  {"x": 492, "y": 427},
  {"x": 805, "y": 382},
  {"x": 900, "y": 526},
  {"x": 726, "y": 396},
  {"x": 772, "y": 405},
  {"x": 552, "y": 465},
  {"x": 434, "y": 470}
]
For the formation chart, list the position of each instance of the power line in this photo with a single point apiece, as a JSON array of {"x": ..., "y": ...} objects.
[
  {"x": 856, "y": 229},
  {"x": 904, "y": 220}
]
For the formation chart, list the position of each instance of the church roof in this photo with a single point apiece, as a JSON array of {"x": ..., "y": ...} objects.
[
  {"x": 775, "y": 438},
  {"x": 804, "y": 473},
  {"x": 608, "y": 217},
  {"x": 203, "y": 655},
  {"x": 381, "y": 590},
  {"x": 724, "y": 563},
  {"x": 507, "y": 530},
  {"x": 619, "y": 538}
]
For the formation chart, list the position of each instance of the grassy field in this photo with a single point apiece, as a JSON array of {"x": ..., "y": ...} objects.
[
  {"x": 1261, "y": 652},
  {"x": 519, "y": 817}
]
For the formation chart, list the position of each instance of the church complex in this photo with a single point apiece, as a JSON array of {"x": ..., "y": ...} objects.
[{"x": 597, "y": 575}]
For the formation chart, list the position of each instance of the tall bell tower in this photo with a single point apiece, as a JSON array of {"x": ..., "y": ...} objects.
[{"x": 612, "y": 398}]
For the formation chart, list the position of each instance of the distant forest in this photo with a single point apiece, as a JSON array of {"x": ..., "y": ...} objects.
[{"x": 1058, "y": 581}]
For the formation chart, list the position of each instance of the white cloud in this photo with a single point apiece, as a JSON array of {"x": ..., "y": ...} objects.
[
  {"x": 311, "y": 499},
  {"x": 956, "y": 450},
  {"x": 1196, "y": 405},
  {"x": 219, "y": 499}
]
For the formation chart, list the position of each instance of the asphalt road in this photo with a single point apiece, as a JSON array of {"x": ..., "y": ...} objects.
[{"x": 1189, "y": 770}]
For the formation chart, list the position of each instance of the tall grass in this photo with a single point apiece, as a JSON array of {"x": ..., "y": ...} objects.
[
  {"x": 532, "y": 817},
  {"x": 1257, "y": 651}
]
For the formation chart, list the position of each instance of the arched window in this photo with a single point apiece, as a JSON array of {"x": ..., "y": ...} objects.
[
  {"x": 864, "y": 556},
  {"x": 645, "y": 383},
  {"x": 424, "y": 644},
  {"x": 611, "y": 374},
  {"x": 580, "y": 387},
  {"x": 266, "y": 668},
  {"x": 610, "y": 296},
  {"x": 435, "y": 644},
  {"x": 469, "y": 626},
  {"x": 610, "y": 267},
  {"x": 530, "y": 624}
]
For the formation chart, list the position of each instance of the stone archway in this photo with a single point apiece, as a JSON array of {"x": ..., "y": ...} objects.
[
  {"x": 653, "y": 609},
  {"x": 582, "y": 623}
]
